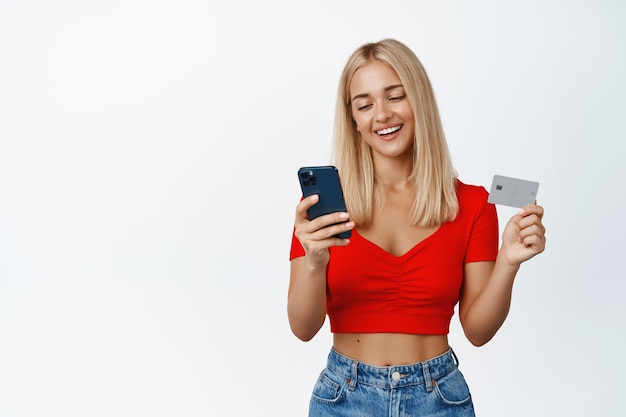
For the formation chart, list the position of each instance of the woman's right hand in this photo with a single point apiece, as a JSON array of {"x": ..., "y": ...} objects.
[{"x": 317, "y": 235}]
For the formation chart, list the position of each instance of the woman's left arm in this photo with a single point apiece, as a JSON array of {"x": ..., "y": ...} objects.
[{"x": 487, "y": 286}]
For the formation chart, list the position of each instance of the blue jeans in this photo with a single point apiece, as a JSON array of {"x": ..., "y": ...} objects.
[{"x": 431, "y": 388}]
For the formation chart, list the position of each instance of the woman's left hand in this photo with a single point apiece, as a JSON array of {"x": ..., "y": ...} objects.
[{"x": 524, "y": 235}]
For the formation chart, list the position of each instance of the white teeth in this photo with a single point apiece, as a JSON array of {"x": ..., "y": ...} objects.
[{"x": 388, "y": 130}]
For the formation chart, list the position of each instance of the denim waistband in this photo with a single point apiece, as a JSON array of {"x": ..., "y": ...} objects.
[{"x": 392, "y": 376}]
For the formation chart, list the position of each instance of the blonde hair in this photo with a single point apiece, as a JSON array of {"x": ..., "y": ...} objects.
[{"x": 433, "y": 176}]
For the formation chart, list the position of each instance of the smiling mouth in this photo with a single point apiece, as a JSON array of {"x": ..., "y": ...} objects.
[{"x": 388, "y": 130}]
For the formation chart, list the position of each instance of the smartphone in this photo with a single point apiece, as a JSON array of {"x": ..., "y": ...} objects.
[
  {"x": 323, "y": 181},
  {"x": 512, "y": 192}
]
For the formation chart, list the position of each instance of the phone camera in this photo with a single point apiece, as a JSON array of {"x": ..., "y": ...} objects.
[{"x": 308, "y": 178}]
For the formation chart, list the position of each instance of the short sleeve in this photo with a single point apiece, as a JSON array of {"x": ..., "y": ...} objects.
[
  {"x": 297, "y": 249},
  {"x": 484, "y": 235}
]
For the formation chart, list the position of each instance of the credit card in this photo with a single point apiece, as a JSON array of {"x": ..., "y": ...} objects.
[{"x": 512, "y": 192}]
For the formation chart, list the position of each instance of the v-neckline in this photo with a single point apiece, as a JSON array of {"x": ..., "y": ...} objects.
[{"x": 405, "y": 254}]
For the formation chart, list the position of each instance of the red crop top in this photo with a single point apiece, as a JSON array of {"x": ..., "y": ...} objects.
[{"x": 370, "y": 290}]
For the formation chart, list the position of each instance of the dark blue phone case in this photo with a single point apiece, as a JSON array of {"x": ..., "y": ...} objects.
[{"x": 323, "y": 181}]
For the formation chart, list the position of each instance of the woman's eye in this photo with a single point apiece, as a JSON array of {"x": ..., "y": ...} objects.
[
  {"x": 396, "y": 98},
  {"x": 363, "y": 107}
]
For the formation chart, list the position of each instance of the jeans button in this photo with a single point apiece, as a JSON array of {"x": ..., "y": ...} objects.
[{"x": 396, "y": 376}]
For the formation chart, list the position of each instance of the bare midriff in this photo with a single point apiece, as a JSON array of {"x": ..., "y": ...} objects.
[{"x": 389, "y": 349}]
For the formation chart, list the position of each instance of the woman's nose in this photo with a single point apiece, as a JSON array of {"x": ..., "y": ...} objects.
[{"x": 383, "y": 112}]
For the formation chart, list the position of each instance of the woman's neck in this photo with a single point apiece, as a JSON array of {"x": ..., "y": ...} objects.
[{"x": 393, "y": 175}]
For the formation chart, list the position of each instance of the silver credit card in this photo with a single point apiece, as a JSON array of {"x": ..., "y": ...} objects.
[{"x": 512, "y": 192}]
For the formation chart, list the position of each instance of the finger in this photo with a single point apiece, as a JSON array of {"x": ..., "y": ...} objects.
[
  {"x": 531, "y": 209},
  {"x": 533, "y": 230},
  {"x": 528, "y": 215},
  {"x": 529, "y": 221},
  {"x": 310, "y": 233},
  {"x": 329, "y": 232},
  {"x": 305, "y": 204},
  {"x": 535, "y": 243},
  {"x": 317, "y": 247},
  {"x": 320, "y": 240},
  {"x": 329, "y": 219}
]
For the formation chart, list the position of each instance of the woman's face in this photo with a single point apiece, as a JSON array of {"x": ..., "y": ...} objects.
[{"x": 381, "y": 110}]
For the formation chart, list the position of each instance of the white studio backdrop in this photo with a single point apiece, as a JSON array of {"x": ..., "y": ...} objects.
[{"x": 148, "y": 158}]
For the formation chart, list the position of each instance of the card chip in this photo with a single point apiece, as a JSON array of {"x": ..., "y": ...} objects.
[{"x": 498, "y": 187}]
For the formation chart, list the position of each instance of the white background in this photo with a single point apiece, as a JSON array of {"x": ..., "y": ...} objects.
[{"x": 148, "y": 157}]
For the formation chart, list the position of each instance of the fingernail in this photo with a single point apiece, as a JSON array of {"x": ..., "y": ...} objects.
[{"x": 343, "y": 215}]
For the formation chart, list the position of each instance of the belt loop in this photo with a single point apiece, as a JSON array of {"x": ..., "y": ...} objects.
[
  {"x": 456, "y": 360},
  {"x": 354, "y": 376},
  {"x": 427, "y": 380}
]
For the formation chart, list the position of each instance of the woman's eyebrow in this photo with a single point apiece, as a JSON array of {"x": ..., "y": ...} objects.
[{"x": 365, "y": 95}]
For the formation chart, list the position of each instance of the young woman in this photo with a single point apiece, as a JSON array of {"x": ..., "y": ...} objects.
[{"x": 422, "y": 241}]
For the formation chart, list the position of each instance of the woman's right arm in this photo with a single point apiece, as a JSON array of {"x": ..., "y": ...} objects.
[{"x": 306, "y": 300}]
